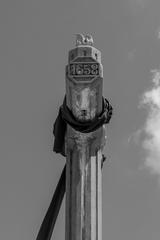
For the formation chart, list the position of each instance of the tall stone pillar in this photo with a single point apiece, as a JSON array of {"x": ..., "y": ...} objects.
[{"x": 84, "y": 81}]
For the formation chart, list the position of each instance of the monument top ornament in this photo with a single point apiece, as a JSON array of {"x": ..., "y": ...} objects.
[{"x": 84, "y": 40}]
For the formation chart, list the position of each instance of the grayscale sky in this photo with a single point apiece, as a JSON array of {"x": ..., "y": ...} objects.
[{"x": 35, "y": 37}]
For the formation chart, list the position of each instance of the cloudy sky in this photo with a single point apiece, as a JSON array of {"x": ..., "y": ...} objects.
[{"x": 35, "y": 37}]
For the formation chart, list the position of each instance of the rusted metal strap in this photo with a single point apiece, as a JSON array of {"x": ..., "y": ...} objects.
[{"x": 49, "y": 221}]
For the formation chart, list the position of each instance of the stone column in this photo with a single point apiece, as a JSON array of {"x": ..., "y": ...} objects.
[{"x": 84, "y": 80}]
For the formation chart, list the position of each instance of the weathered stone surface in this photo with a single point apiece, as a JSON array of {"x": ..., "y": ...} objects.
[{"x": 84, "y": 150}]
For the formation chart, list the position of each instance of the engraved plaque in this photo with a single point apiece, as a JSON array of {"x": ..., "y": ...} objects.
[{"x": 84, "y": 69}]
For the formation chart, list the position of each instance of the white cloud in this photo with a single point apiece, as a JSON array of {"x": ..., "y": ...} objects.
[
  {"x": 139, "y": 4},
  {"x": 158, "y": 33},
  {"x": 151, "y": 141}
]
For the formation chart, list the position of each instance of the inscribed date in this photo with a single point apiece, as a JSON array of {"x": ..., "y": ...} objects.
[{"x": 84, "y": 69}]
